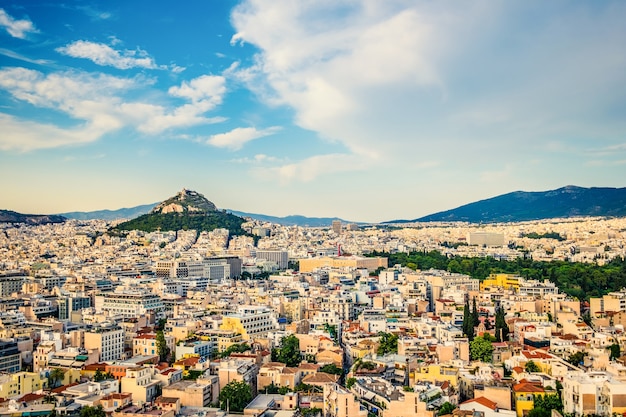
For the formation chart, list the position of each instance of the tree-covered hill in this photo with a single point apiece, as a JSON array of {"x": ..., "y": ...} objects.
[
  {"x": 187, "y": 210},
  {"x": 183, "y": 221}
]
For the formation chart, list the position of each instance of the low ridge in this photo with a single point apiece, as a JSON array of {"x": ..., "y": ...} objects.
[{"x": 8, "y": 216}]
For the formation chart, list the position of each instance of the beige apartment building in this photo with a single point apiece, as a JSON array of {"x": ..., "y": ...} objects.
[
  {"x": 339, "y": 402},
  {"x": 198, "y": 393},
  {"x": 138, "y": 382},
  {"x": 356, "y": 262}
]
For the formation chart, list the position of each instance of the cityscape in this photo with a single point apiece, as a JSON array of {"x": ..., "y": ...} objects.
[{"x": 333, "y": 321}]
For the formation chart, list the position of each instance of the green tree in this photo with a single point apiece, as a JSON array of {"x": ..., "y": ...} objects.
[
  {"x": 234, "y": 396},
  {"x": 475, "y": 318},
  {"x": 289, "y": 351},
  {"x": 615, "y": 351},
  {"x": 350, "y": 382},
  {"x": 88, "y": 411},
  {"x": 481, "y": 349},
  {"x": 468, "y": 329},
  {"x": 235, "y": 348},
  {"x": 577, "y": 358},
  {"x": 502, "y": 329},
  {"x": 331, "y": 330},
  {"x": 542, "y": 405},
  {"x": 98, "y": 376},
  {"x": 388, "y": 343},
  {"x": 56, "y": 377},
  {"x": 270, "y": 389},
  {"x": 331, "y": 368},
  {"x": 161, "y": 344},
  {"x": 446, "y": 408},
  {"x": 532, "y": 367},
  {"x": 160, "y": 325},
  {"x": 311, "y": 412}
]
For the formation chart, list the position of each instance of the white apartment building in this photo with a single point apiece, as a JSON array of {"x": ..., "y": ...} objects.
[
  {"x": 593, "y": 393},
  {"x": 108, "y": 339},
  {"x": 281, "y": 257},
  {"x": 251, "y": 321},
  {"x": 129, "y": 302}
]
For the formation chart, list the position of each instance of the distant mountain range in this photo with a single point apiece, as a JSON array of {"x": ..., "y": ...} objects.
[
  {"x": 132, "y": 212},
  {"x": 8, "y": 216},
  {"x": 569, "y": 201},
  {"x": 119, "y": 214}
]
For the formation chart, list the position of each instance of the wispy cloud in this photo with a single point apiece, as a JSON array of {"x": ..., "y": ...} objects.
[
  {"x": 97, "y": 102},
  {"x": 15, "y": 55},
  {"x": 95, "y": 13},
  {"x": 236, "y": 138},
  {"x": 18, "y": 28},
  {"x": 257, "y": 159},
  {"x": 310, "y": 168},
  {"x": 104, "y": 55}
]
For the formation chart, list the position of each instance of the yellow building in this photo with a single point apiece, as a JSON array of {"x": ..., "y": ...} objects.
[
  {"x": 251, "y": 322},
  {"x": 436, "y": 372},
  {"x": 507, "y": 281},
  {"x": 524, "y": 396},
  {"x": 20, "y": 383},
  {"x": 356, "y": 262}
]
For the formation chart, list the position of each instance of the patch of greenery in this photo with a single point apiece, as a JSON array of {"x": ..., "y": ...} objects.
[
  {"x": 175, "y": 221},
  {"x": 577, "y": 279},
  {"x": 547, "y": 235}
]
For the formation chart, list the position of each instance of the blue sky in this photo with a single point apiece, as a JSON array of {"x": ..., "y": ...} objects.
[{"x": 366, "y": 110}]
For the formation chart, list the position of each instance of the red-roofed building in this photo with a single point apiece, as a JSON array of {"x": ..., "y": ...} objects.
[
  {"x": 524, "y": 393},
  {"x": 485, "y": 406}
]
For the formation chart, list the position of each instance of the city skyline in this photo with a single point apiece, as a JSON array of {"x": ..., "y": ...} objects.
[{"x": 367, "y": 111}]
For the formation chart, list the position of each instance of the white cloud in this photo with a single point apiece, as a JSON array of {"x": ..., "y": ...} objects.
[
  {"x": 236, "y": 138},
  {"x": 96, "y": 103},
  {"x": 257, "y": 159},
  {"x": 104, "y": 55},
  {"x": 313, "y": 167},
  {"x": 204, "y": 88},
  {"x": 25, "y": 136},
  {"x": 16, "y": 28},
  {"x": 402, "y": 81}
]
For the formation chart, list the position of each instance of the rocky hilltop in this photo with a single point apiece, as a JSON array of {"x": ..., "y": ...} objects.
[
  {"x": 186, "y": 201},
  {"x": 187, "y": 210}
]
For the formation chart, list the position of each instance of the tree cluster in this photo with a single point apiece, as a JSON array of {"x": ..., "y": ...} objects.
[
  {"x": 481, "y": 348},
  {"x": 288, "y": 352},
  {"x": 470, "y": 319},
  {"x": 502, "y": 328},
  {"x": 544, "y": 404},
  {"x": 236, "y": 348},
  {"x": 388, "y": 343},
  {"x": 234, "y": 396},
  {"x": 580, "y": 280},
  {"x": 176, "y": 221}
]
